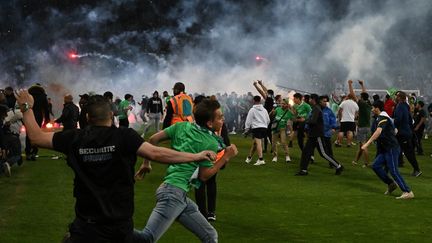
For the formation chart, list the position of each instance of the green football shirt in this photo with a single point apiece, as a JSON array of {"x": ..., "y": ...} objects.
[
  {"x": 189, "y": 137},
  {"x": 283, "y": 116},
  {"x": 122, "y": 114},
  {"x": 303, "y": 109}
]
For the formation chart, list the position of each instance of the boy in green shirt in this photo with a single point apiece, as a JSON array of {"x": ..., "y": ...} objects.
[
  {"x": 281, "y": 117},
  {"x": 172, "y": 201},
  {"x": 124, "y": 107}
]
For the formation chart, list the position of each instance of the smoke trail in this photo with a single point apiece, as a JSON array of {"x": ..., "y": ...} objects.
[{"x": 211, "y": 46}]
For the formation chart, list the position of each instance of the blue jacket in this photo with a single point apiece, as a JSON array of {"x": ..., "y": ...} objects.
[
  {"x": 403, "y": 120},
  {"x": 329, "y": 122}
]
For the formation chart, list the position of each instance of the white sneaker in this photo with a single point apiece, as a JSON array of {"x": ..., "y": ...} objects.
[
  {"x": 287, "y": 159},
  {"x": 312, "y": 158},
  {"x": 426, "y": 137},
  {"x": 406, "y": 195},
  {"x": 260, "y": 162},
  {"x": 7, "y": 169},
  {"x": 274, "y": 159},
  {"x": 248, "y": 159},
  {"x": 55, "y": 157}
]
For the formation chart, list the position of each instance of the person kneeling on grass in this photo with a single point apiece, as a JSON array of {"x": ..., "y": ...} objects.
[
  {"x": 172, "y": 200},
  {"x": 387, "y": 152},
  {"x": 103, "y": 158}
]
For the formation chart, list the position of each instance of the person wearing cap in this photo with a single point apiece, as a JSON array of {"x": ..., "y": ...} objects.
[
  {"x": 70, "y": 114},
  {"x": 155, "y": 112},
  {"x": 387, "y": 152}
]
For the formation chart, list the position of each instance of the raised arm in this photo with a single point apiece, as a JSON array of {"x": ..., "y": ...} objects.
[
  {"x": 257, "y": 85},
  {"x": 36, "y": 135},
  {"x": 351, "y": 90},
  {"x": 361, "y": 82}
]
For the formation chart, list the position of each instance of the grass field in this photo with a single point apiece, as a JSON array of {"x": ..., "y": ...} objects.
[{"x": 255, "y": 204}]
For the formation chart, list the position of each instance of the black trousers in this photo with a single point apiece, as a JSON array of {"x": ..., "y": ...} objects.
[
  {"x": 311, "y": 144},
  {"x": 407, "y": 147},
  {"x": 201, "y": 194},
  {"x": 83, "y": 232},
  {"x": 268, "y": 137},
  {"x": 30, "y": 149},
  {"x": 418, "y": 141},
  {"x": 301, "y": 135}
]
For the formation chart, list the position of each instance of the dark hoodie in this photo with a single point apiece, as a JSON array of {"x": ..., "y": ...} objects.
[{"x": 40, "y": 106}]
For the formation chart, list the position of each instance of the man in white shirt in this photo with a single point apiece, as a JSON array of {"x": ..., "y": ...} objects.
[
  {"x": 257, "y": 122},
  {"x": 347, "y": 113}
]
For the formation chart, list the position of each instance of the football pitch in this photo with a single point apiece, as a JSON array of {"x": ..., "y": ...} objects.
[{"x": 254, "y": 203}]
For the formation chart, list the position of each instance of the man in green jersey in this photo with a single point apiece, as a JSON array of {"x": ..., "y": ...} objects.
[
  {"x": 124, "y": 107},
  {"x": 172, "y": 201},
  {"x": 301, "y": 111},
  {"x": 281, "y": 117}
]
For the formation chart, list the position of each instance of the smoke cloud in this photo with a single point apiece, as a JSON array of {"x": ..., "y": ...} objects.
[{"x": 137, "y": 47}]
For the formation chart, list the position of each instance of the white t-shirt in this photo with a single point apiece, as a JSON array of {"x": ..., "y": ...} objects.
[{"x": 349, "y": 109}]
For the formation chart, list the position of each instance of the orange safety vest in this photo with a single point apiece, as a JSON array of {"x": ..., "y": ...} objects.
[{"x": 182, "y": 105}]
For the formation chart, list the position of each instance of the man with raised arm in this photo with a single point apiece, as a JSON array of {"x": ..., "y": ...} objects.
[{"x": 103, "y": 158}]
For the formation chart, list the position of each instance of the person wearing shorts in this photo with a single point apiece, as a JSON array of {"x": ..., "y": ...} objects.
[{"x": 257, "y": 120}]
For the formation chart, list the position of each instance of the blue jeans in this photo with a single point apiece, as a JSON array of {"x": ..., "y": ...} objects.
[
  {"x": 173, "y": 204},
  {"x": 390, "y": 159}
]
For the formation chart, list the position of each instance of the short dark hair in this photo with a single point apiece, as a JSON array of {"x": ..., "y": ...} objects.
[
  {"x": 270, "y": 92},
  {"x": 179, "y": 86},
  {"x": 314, "y": 97},
  {"x": 108, "y": 95},
  {"x": 99, "y": 109},
  {"x": 375, "y": 97},
  {"x": 402, "y": 95},
  {"x": 421, "y": 103},
  {"x": 379, "y": 104},
  {"x": 257, "y": 98},
  {"x": 204, "y": 111},
  {"x": 364, "y": 95},
  {"x": 127, "y": 96},
  {"x": 298, "y": 96}
]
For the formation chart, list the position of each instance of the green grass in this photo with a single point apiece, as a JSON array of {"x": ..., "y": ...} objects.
[{"x": 254, "y": 204}]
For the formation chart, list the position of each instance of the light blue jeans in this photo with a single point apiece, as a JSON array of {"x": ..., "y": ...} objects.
[{"x": 173, "y": 204}]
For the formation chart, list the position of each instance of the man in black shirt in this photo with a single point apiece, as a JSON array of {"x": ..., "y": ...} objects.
[
  {"x": 419, "y": 125},
  {"x": 315, "y": 130},
  {"x": 387, "y": 152},
  {"x": 155, "y": 112},
  {"x": 70, "y": 114},
  {"x": 268, "y": 96},
  {"x": 103, "y": 160}
]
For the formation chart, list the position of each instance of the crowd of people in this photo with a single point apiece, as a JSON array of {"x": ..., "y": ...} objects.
[{"x": 102, "y": 149}]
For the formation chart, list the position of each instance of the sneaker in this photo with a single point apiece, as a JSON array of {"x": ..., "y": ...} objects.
[
  {"x": 426, "y": 137},
  {"x": 354, "y": 163},
  {"x": 287, "y": 159},
  {"x": 391, "y": 187},
  {"x": 338, "y": 145},
  {"x": 274, "y": 159},
  {"x": 339, "y": 170},
  {"x": 406, "y": 195},
  {"x": 302, "y": 173},
  {"x": 233, "y": 133},
  {"x": 365, "y": 165},
  {"x": 55, "y": 157},
  {"x": 248, "y": 160},
  {"x": 312, "y": 158},
  {"x": 211, "y": 217},
  {"x": 7, "y": 169},
  {"x": 353, "y": 144},
  {"x": 260, "y": 162},
  {"x": 416, "y": 173}
]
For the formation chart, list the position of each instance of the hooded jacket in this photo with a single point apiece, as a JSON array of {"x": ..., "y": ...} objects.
[{"x": 257, "y": 117}]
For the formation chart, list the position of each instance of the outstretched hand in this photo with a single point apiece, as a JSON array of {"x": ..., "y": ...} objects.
[{"x": 144, "y": 169}]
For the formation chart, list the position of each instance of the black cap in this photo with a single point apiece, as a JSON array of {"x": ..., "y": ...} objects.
[{"x": 84, "y": 96}]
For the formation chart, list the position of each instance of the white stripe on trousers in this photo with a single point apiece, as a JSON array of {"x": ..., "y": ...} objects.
[{"x": 325, "y": 155}]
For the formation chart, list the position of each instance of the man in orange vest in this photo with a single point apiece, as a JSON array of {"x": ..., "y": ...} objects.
[{"x": 179, "y": 108}]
